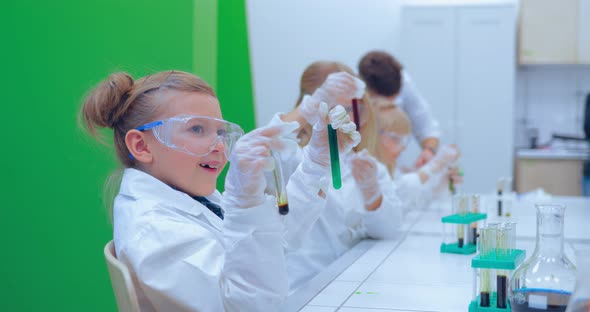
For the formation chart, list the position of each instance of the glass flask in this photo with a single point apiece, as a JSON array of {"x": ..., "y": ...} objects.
[
  {"x": 546, "y": 280},
  {"x": 580, "y": 300}
]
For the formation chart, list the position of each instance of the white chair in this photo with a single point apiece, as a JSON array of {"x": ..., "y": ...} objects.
[{"x": 121, "y": 281}]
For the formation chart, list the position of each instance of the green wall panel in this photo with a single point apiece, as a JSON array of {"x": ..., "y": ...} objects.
[
  {"x": 54, "y": 224},
  {"x": 234, "y": 78}
]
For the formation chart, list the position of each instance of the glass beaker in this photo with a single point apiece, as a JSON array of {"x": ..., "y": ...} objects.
[
  {"x": 546, "y": 280},
  {"x": 580, "y": 300}
]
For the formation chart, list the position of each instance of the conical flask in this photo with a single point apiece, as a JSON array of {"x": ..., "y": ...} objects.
[
  {"x": 546, "y": 280},
  {"x": 580, "y": 300}
]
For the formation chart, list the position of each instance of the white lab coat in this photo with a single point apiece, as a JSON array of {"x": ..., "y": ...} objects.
[
  {"x": 182, "y": 257},
  {"x": 342, "y": 224},
  {"x": 410, "y": 101}
]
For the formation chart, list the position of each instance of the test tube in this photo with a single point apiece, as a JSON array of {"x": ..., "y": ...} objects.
[
  {"x": 461, "y": 227},
  {"x": 334, "y": 157},
  {"x": 355, "y": 114},
  {"x": 475, "y": 200},
  {"x": 484, "y": 281},
  {"x": 500, "y": 186},
  {"x": 280, "y": 185},
  {"x": 507, "y": 182},
  {"x": 501, "y": 275},
  {"x": 452, "y": 187},
  {"x": 510, "y": 237}
]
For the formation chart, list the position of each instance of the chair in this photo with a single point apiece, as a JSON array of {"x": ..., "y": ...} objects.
[{"x": 121, "y": 281}]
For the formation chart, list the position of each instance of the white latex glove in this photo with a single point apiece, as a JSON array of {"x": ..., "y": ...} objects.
[
  {"x": 364, "y": 171},
  {"x": 245, "y": 182},
  {"x": 318, "y": 149},
  {"x": 444, "y": 158},
  {"x": 338, "y": 88}
]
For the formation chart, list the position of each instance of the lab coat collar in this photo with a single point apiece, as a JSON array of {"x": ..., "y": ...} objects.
[{"x": 139, "y": 184}]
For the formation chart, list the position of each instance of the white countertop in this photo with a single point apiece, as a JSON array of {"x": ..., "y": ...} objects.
[
  {"x": 552, "y": 154},
  {"x": 410, "y": 274}
]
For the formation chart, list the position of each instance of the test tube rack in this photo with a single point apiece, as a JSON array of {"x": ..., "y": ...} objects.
[
  {"x": 459, "y": 219},
  {"x": 495, "y": 262}
]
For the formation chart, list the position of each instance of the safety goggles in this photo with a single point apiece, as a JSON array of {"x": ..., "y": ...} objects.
[
  {"x": 195, "y": 135},
  {"x": 401, "y": 140}
]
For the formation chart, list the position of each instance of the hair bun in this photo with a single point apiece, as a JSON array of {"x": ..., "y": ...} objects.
[
  {"x": 107, "y": 103},
  {"x": 119, "y": 85}
]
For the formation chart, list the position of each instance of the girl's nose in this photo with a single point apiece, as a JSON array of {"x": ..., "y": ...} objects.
[{"x": 219, "y": 146}]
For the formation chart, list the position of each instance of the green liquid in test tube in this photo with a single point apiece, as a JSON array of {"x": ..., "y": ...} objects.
[{"x": 334, "y": 158}]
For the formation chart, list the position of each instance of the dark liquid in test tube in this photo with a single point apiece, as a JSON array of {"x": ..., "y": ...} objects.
[
  {"x": 484, "y": 299},
  {"x": 284, "y": 208},
  {"x": 499, "y": 203},
  {"x": 355, "y": 114},
  {"x": 502, "y": 287}
]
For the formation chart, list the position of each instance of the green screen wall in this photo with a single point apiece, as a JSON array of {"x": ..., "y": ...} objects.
[{"x": 54, "y": 224}]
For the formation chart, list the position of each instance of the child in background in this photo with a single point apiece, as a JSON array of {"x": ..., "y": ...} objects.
[
  {"x": 365, "y": 206},
  {"x": 187, "y": 247},
  {"x": 416, "y": 189}
]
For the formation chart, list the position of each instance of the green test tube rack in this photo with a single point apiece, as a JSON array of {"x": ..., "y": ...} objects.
[
  {"x": 461, "y": 219},
  {"x": 495, "y": 261}
]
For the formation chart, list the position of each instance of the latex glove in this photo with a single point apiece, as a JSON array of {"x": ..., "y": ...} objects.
[
  {"x": 338, "y": 88},
  {"x": 425, "y": 156},
  {"x": 445, "y": 158},
  {"x": 364, "y": 171},
  {"x": 455, "y": 175},
  {"x": 318, "y": 149},
  {"x": 245, "y": 182}
]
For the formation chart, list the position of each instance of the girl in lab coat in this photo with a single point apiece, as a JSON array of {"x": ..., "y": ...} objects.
[
  {"x": 187, "y": 247},
  {"x": 416, "y": 189},
  {"x": 365, "y": 206}
]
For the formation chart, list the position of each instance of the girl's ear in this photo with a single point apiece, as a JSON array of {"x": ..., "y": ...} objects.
[{"x": 138, "y": 146}]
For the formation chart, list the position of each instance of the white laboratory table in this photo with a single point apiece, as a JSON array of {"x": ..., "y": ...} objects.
[{"x": 410, "y": 274}]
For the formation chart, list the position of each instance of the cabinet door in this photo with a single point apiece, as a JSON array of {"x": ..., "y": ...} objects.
[
  {"x": 584, "y": 32},
  {"x": 548, "y": 32},
  {"x": 485, "y": 94},
  {"x": 428, "y": 55}
]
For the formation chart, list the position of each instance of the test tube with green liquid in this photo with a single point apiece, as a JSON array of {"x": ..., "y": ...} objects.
[{"x": 334, "y": 158}]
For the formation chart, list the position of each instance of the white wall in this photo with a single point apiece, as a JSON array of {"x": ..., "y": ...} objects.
[
  {"x": 551, "y": 99},
  {"x": 286, "y": 36}
]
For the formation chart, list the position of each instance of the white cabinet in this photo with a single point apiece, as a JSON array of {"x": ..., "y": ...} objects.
[
  {"x": 462, "y": 59},
  {"x": 584, "y": 32},
  {"x": 554, "y": 32}
]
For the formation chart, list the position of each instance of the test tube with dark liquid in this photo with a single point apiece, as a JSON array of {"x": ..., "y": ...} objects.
[
  {"x": 502, "y": 275},
  {"x": 280, "y": 185},
  {"x": 473, "y": 229},
  {"x": 500, "y": 185},
  {"x": 484, "y": 278},
  {"x": 355, "y": 114},
  {"x": 461, "y": 227}
]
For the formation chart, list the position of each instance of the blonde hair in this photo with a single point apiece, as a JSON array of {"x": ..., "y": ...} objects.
[
  {"x": 122, "y": 104},
  {"x": 312, "y": 78},
  {"x": 390, "y": 118}
]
